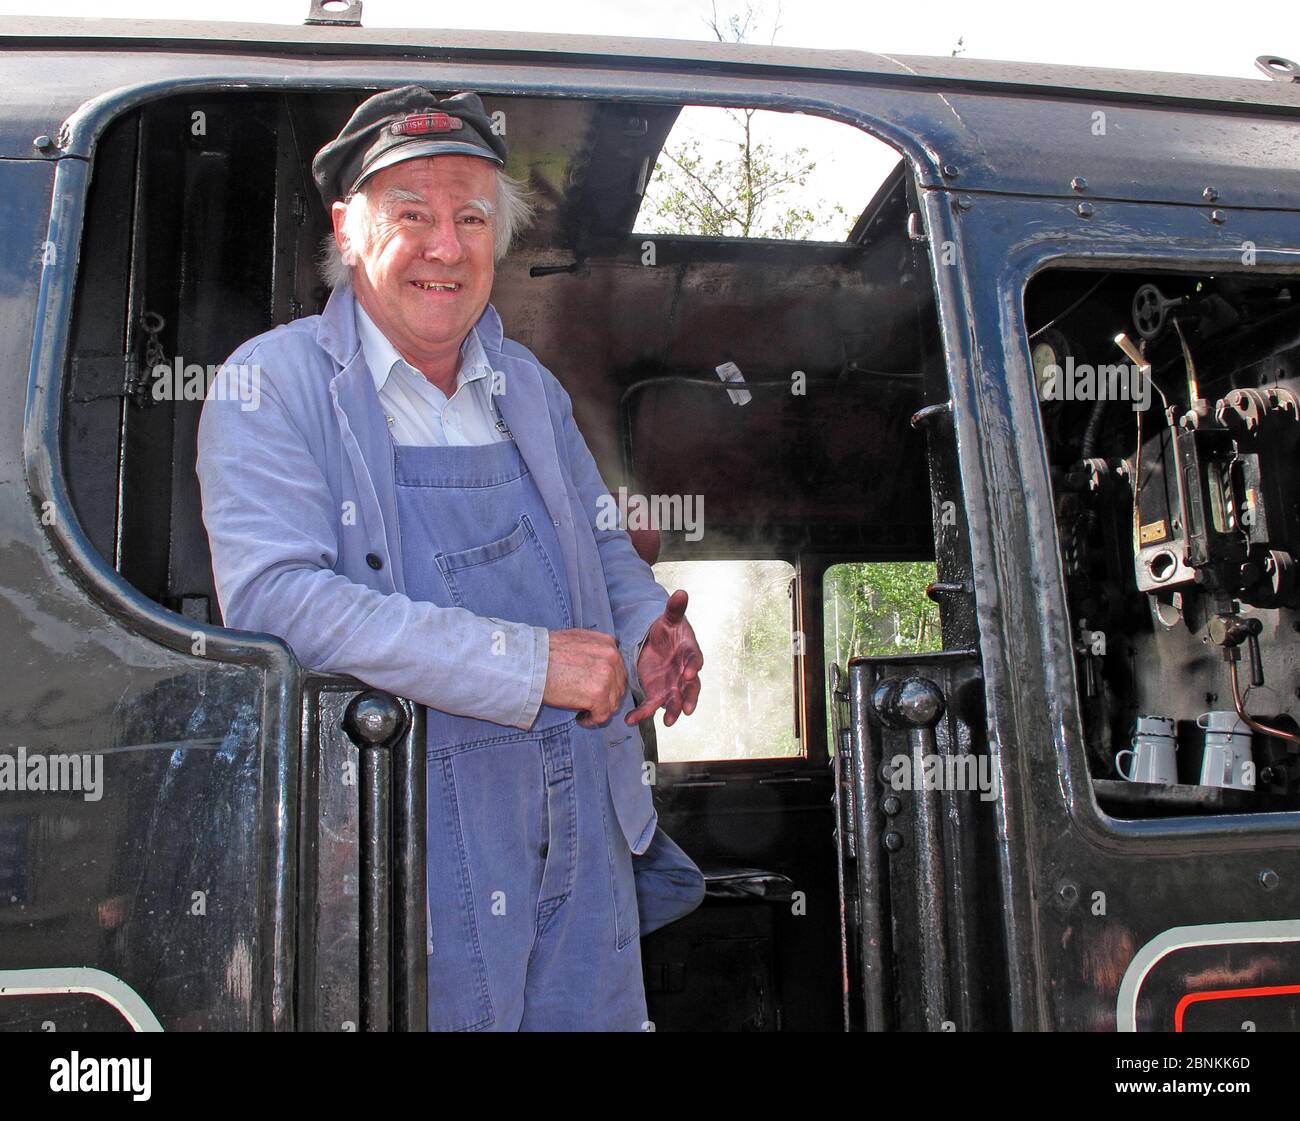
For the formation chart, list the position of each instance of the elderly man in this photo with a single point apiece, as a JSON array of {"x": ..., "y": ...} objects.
[{"x": 412, "y": 504}]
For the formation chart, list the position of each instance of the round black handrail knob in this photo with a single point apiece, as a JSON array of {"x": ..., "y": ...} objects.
[
  {"x": 908, "y": 702},
  {"x": 374, "y": 719}
]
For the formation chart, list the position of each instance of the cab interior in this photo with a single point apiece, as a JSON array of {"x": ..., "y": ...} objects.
[{"x": 197, "y": 238}]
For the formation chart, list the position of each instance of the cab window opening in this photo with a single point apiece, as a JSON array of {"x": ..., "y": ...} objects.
[{"x": 1169, "y": 404}]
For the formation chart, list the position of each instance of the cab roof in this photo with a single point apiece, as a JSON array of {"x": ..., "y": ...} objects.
[
  {"x": 22, "y": 33},
  {"x": 965, "y": 124}
]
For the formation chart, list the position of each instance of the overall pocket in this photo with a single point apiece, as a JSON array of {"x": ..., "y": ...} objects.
[
  {"x": 511, "y": 578},
  {"x": 627, "y": 922},
  {"x": 459, "y": 998}
]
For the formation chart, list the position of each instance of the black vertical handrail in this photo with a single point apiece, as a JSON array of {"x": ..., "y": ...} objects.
[
  {"x": 915, "y": 704},
  {"x": 874, "y": 938},
  {"x": 410, "y": 886},
  {"x": 845, "y": 826},
  {"x": 375, "y": 721}
]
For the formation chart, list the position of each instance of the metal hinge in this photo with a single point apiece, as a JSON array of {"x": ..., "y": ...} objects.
[
  {"x": 334, "y": 13},
  {"x": 1278, "y": 68}
]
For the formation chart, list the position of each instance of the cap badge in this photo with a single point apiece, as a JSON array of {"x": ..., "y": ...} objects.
[{"x": 417, "y": 123}]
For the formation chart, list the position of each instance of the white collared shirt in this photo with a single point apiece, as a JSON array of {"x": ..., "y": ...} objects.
[{"x": 418, "y": 411}]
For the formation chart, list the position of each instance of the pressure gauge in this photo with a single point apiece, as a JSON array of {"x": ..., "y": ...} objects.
[{"x": 1048, "y": 358}]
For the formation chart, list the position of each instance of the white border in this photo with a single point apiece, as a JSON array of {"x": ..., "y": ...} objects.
[
  {"x": 1182, "y": 937},
  {"x": 81, "y": 979}
]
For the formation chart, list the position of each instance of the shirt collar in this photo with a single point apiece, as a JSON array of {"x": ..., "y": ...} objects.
[{"x": 381, "y": 355}]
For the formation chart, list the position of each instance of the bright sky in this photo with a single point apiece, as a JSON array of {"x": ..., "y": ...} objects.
[{"x": 1192, "y": 36}]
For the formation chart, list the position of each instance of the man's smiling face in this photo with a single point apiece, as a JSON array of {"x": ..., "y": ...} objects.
[{"x": 426, "y": 275}]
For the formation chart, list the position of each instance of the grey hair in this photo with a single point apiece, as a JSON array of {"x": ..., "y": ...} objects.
[{"x": 512, "y": 213}]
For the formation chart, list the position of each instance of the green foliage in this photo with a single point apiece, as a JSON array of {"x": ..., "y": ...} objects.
[
  {"x": 880, "y": 609},
  {"x": 877, "y": 609}
]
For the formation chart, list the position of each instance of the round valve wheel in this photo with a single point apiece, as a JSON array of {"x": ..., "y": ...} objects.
[{"x": 1149, "y": 311}]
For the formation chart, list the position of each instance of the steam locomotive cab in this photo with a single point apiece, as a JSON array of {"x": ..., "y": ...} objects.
[{"x": 986, "y": 499}]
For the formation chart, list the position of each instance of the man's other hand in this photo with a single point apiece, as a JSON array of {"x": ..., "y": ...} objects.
[
  {"x": 669, "y": 665},
  {"x": 585, "y": 672}
]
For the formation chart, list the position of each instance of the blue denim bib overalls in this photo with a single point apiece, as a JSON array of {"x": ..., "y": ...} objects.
[{"x": 532, "y": 903}]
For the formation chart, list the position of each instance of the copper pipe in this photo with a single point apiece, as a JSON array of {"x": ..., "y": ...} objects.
[{"x": 1250, "y": 722}]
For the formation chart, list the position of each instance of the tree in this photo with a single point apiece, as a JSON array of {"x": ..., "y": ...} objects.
[
  {"x": 880, "y": 609},
  {"x": 748, "y": 194}
]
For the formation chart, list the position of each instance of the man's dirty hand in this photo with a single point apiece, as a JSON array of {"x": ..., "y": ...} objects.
[
  {"x": 669, "y": 666},
  {"x": 585, "y": 672}
]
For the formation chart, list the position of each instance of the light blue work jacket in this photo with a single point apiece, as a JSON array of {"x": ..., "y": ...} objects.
[{"x": 300, "y": 507}]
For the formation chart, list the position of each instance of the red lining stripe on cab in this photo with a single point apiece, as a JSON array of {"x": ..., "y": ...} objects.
[{"x": 1228, "y": 994}]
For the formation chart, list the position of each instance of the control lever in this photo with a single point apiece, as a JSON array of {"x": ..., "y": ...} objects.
[{"x": 1230, "y": 631}]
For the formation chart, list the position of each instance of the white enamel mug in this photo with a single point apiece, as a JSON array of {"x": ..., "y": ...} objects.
[
  {"x": 1227, "y": 761},
  {"x": 1154, "y": 753}
]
